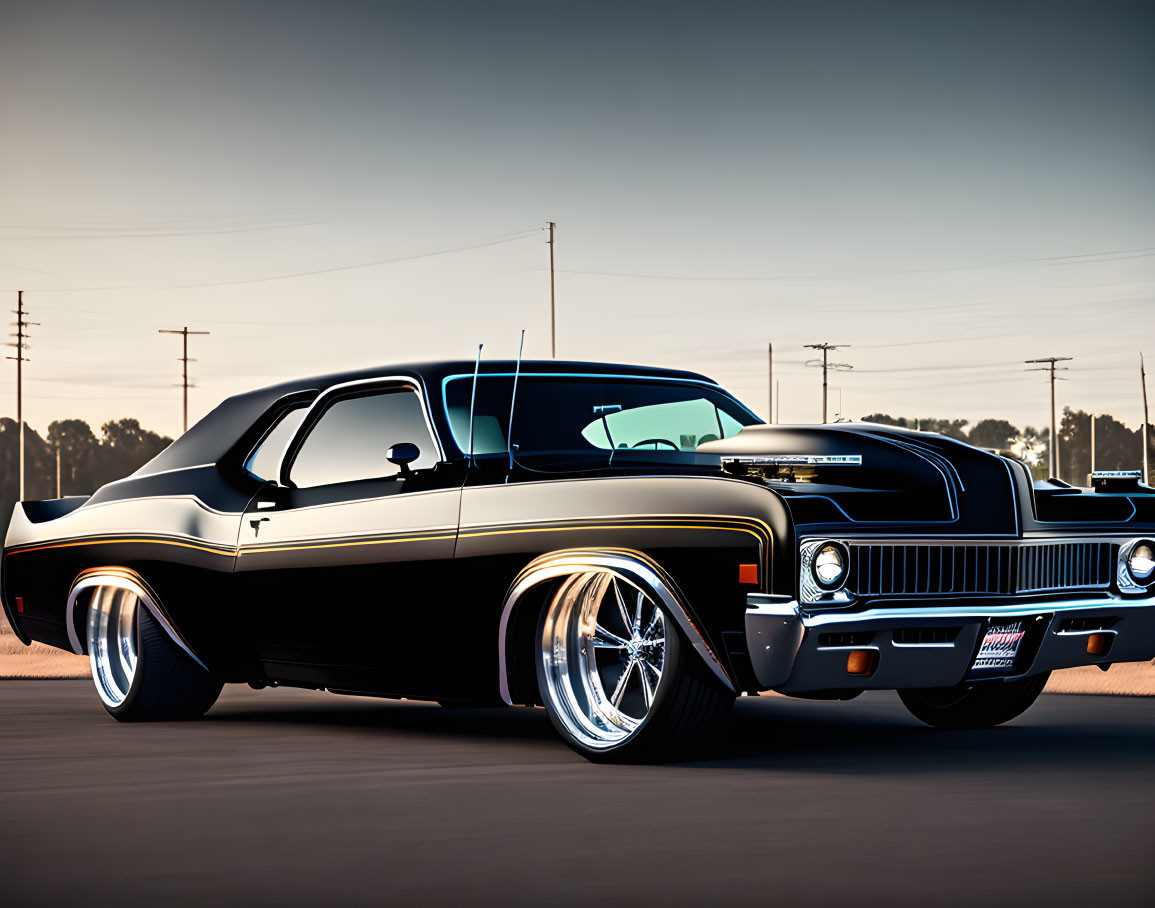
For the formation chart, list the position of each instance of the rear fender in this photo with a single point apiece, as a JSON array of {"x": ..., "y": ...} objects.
[{"x": 123, "y": 579}]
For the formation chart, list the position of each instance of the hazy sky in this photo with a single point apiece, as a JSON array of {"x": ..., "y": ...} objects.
[{"x": 950, "y": 188}]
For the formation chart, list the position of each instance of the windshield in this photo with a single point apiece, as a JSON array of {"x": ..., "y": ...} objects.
[{"x": 594, "y": 417}]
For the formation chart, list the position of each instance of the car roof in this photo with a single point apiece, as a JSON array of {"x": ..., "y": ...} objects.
[{"x": 214, "y": 436}]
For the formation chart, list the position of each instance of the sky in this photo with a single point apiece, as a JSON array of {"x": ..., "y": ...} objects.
[{"x": 950, "y": 189}]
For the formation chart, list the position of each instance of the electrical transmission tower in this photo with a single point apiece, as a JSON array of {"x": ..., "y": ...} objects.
[
  {"x": 21, "y": 344},
  {"x": 1049, "y": 366},
  {"x": 184, "y": 360},
  {"x": 826, "y": 366}
]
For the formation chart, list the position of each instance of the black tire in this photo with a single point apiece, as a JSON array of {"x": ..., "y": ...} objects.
[
  {"x": 982, "y": 704},
  {"x": 689, "y": 708},
  {"x": 167, "y": 684}
]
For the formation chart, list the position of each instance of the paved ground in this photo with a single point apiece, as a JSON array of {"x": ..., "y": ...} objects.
[{"x": 293, "y": 798}]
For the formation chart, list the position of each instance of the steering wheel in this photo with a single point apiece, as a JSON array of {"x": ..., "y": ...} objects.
[{"x": 656, "y": 442}]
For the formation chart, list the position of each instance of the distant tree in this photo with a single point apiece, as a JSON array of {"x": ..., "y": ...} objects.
[
  {"x": 951, "y": 428},
  {"x": 78, "y": 455},
  {"x": 992, "y": 433},
  {"x": 885, "y": 419},
  {"x": 1116, "y": 446},
  {"x": 124, "y": 448}
]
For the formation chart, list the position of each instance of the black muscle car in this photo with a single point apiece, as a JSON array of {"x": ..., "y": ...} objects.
[{"x": 629, "y": 547}]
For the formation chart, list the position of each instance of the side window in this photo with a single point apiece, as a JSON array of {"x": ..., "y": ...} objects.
[
  {"x": 353, "y": 436},
  {"x": 265, "y": 461}
]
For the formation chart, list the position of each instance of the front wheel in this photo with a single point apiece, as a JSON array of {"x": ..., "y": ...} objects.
[
  {"x": 982, "y": 704},
  {"x": 139, "y": 672},
  {"x": 619, "y": 682}
]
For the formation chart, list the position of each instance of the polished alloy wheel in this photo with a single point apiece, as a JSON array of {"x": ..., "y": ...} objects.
[
  {"x": 603, "y": 651},
  {"x": 112, "y": 642}
]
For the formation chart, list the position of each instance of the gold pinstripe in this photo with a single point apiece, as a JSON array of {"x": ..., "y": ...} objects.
[{"x": 765, "y": 536}]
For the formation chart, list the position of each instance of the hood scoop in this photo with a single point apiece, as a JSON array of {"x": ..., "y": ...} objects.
[{"x": 869, "y": 473}]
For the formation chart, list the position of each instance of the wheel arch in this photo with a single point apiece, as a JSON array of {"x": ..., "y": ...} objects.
[
  {"x": 125, "y": 579},
  {"x": 526, "y": 594}
]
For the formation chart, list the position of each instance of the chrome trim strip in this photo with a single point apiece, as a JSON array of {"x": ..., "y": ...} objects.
[
  {"x": 631, "y": 569},
  {"x": 123, "y": 582},
  {"x": 999, "y": 608},
  {"x": 132, "y": 476}
]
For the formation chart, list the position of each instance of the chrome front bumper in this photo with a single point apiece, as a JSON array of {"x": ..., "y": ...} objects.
[{"x": 793, "y": 650}]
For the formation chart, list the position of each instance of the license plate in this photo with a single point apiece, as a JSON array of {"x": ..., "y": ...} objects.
[{"x": 1000, "y": 648}]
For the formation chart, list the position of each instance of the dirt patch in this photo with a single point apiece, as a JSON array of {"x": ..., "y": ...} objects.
[{"x": 37, "y": 660}]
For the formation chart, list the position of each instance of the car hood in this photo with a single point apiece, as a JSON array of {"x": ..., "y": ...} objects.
[{"x": 862, "y": 473}]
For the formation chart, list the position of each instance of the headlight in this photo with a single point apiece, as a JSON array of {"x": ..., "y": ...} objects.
[
  {"x": 829, "y": 565},
  {"x": 1141, "y": 561}
]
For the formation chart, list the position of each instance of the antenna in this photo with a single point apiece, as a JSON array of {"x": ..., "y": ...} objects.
[
  {"x": 513, "y": 400},
  {"x": 472, "y": 402}
]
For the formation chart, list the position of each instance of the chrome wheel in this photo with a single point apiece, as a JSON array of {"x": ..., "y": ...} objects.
[
  {"x": 112, "y": 642},
  {"x": 603, "y": 652}
]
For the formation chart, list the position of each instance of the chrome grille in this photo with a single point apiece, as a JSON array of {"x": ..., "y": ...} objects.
[
  {"x": 1065, "y": 566},
  {"x": 995, "y": 569}
]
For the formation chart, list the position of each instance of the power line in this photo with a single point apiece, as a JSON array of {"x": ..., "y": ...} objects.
[
  {"x": 826, "y": 365},
  {"x": 1050, "y": 367},
  {"x": 184, "y": 333},
  {"x": 296, "y": 274}
]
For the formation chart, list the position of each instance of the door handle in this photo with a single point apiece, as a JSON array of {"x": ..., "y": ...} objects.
[{"x": 256, "y": 525}]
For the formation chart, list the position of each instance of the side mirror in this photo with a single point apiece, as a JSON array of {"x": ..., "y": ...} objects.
[{"x": 402, "y": 454}]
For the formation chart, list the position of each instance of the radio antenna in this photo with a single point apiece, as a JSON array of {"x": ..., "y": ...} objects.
[
  {"x": 513, "y": 400},
  {"x": 472, "y": 403}
]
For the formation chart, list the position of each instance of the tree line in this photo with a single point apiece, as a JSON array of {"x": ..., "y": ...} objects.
[
  {"x": 1116, "y": 446},
  {"x": 86, "y": 461}
]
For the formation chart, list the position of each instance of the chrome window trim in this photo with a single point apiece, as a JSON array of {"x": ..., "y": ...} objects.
[
  {"x": 287, "y": 409},
  {"x": 668, "y": 379},
  {"x": 323, "y": 399}
]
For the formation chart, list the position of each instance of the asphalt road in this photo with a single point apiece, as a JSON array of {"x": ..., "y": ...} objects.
[{"x": 292, "y": 798}]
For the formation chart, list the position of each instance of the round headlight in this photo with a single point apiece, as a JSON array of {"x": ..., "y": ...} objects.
[
  {"x": 1141, "y": 561},
  {"x": 829, "y": 565}
]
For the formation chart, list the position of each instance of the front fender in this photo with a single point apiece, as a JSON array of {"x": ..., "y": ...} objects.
[{"x": 634, "y": 568}]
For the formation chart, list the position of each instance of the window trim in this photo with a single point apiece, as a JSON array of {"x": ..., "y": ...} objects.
[
  {"x": 346, "y": 389},
  {"x": 667, "y": 379},
  {"x": 282, "y": 408}
]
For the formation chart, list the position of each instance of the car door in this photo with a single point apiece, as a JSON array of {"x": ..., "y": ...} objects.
[{"x": 338, "y": 560}]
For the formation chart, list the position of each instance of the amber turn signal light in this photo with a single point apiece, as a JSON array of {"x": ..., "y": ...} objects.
[
  {"x": 861, "y": 661},
  {"x": 1097, "y": 644},
  {"x": 747, "y": 573}
]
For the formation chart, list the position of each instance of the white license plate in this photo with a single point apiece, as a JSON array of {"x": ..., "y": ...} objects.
[{"x": 1000, "y": 648}]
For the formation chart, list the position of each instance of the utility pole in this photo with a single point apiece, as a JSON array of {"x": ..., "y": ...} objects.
[
  {"x": 57, "y": 469},
  {"x": 1050, "y": 367},
  {"x": 777, "y": 401},
  {"x": 1092, "y": 442},
  {"x": 826, "y": 366},
  {"x": 1146, "y": 422},
  {"x": 184, "y": 333},
  {"x": 770, "y": 383},
  {"x": 21, "y": 345},
  {"x": 552, "y": 298}
]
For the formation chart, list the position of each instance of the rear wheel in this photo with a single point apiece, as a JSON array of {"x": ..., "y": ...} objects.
[
  {"x": 139, "y": 672},
  {"x": 619, "y": 682},
  {"x": 979, "y": 705}
]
